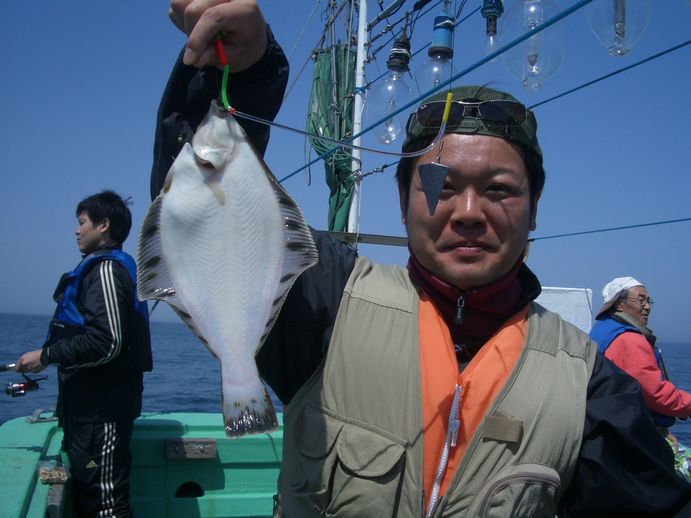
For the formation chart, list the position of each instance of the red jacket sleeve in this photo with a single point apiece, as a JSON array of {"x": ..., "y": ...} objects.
[{"x": 632, "y": 353}]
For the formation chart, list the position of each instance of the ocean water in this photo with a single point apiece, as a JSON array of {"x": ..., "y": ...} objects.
[{"x": 186, "y": 377}]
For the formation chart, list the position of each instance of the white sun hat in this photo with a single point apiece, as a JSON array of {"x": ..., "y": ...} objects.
[{"x": 613, "y": 288}]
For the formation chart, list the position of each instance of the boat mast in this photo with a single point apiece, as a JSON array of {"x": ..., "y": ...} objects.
[{"x": 358, "y": 103}]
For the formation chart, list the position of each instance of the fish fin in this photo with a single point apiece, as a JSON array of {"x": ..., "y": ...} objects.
[
  {"x": 153, "y": 277},
  {"x": 249, "y": 411},
  {"x": 179, "y": 308},
  {"x": 300, "y": 251}
]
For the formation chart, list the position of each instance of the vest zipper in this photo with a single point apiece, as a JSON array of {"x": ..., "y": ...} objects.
[
  {"x": 460, "y": 303},
  {"x": 449, "y": 442}
]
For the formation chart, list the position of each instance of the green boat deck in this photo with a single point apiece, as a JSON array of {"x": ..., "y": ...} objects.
[{"x": 183, "y": 466}]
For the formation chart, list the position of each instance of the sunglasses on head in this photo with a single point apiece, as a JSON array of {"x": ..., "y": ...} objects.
[{"x": 502, "y": 112}]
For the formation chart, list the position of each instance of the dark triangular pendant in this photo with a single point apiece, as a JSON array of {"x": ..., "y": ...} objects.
[{"x": 432, "y": 177}]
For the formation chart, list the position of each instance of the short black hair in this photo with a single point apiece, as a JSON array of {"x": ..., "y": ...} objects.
[{"x": 108, "y": 205}]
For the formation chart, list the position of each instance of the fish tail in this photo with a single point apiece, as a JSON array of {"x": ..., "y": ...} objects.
[{"x": 249, "y": 411}]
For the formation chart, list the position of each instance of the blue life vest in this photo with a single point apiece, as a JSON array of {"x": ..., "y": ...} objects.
[
  {"x": 67, "y": 312},
  {"x": 603, "y": 334}
]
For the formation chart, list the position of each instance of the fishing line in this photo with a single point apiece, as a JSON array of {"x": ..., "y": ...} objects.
[
  {"x": 338, "y": 143},
  {"x": 223, "y": 61}
]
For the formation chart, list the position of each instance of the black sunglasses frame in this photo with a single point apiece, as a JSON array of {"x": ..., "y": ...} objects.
[{"x": 487, "y": 111}]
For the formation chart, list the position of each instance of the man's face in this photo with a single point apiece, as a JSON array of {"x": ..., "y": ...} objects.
[
  {"x": 480, "y": 227},
  {"x": 89, "y": 236},
  {"x": 636, "y": 304}
]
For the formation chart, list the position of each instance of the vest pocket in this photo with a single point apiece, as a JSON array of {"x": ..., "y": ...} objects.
[
  {"x": 345, "y": 469},
  {"x": 522, "y": 490}
]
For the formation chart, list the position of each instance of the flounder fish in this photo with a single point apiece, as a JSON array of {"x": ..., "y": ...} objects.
[{"x": 222, "y": 244}]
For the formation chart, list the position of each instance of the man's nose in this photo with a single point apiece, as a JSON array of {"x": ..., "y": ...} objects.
[{"x": 468, "y": 208}]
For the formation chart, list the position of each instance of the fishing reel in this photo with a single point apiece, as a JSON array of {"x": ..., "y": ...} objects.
[{"x": 20, "y": 388}]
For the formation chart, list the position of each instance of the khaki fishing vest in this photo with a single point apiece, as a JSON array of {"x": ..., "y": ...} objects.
[{"x": 353, "y": 439}]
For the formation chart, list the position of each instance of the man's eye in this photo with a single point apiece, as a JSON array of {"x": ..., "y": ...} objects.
[
  {"x": 447, "y": 189},
  {"x": 499, "y": 190}
]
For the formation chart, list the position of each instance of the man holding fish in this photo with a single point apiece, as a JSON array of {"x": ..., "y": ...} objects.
[{"x": 441, "y": 388}]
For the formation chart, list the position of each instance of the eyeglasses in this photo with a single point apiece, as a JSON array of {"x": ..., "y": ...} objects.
[
  {"x": 503, "y": 112},
  {"x": 641, "y": 302}
]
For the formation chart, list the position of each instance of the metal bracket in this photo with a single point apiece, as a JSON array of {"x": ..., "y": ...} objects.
[
  {"x": 37, "y": 417},
  {"x": 180, "y": 448}
]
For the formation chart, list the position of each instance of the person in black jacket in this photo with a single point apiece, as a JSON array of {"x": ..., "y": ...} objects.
[
  {"x": 99, "y": 339},
  {"x": 623, "y": 467}
]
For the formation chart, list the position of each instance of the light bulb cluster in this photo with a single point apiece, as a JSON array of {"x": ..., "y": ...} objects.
[
  {"x": 618, "y": 24},
  {"x": 393, "y": 92}
]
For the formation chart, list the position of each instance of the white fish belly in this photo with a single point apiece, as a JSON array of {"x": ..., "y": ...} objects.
[
  {"x": 222, "y": 244},
  {"x": 225, "y": 258}
]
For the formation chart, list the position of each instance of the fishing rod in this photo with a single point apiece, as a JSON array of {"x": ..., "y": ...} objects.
[{"x": 20, "y": 388}]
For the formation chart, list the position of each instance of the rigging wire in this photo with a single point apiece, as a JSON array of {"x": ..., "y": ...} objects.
[
  {"x": 420, "y": 49},
  {"x": 553, "y": 20},
  {"x": 611, "y": 74},
  {"x": 623, "y": 69},
  {"x": 482, "y": 61},
  {"x": 320, "y": 43},
  {"x": 460, "y": 8},
  {"x": 304, "y": 28},
  {"x": 548, "y": 23},
  {"x": 390, "y": 28},
  {"x": 556, "y": 18},
  {"x": 609, "y": 229},
  {"x": 403, "y": 240}
]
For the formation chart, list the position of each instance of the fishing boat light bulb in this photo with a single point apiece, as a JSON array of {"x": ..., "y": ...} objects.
[
  {"x": 386, "y": 98},
  {"x": 538, "y": 57},
  {"x": 619, "y": 24},
  {"x": 439, "y": 66},
  {"x": 491, "y": 10}
]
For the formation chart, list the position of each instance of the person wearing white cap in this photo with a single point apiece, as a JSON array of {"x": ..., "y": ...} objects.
[{"x": 622, "y": 335}]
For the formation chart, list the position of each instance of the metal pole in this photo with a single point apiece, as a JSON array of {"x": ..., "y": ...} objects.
[{"x": 358, "y": 103}]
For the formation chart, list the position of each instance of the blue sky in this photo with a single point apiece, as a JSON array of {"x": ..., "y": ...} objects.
[{"x": 80, "y": 87}]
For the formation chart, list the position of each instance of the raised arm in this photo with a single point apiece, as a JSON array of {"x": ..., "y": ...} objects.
[{"x": 257, "y": 82}]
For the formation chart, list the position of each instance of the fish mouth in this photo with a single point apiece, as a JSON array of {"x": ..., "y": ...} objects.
[
  {"x": 210, "y": 158},
  {"x": 204, "y": 164}
]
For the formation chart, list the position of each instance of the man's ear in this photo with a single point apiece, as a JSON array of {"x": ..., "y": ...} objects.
[
  {"x": 403, "y": 202},
  {"x": 105, "y": 224},
  {"x": 533, "y": 213}
]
